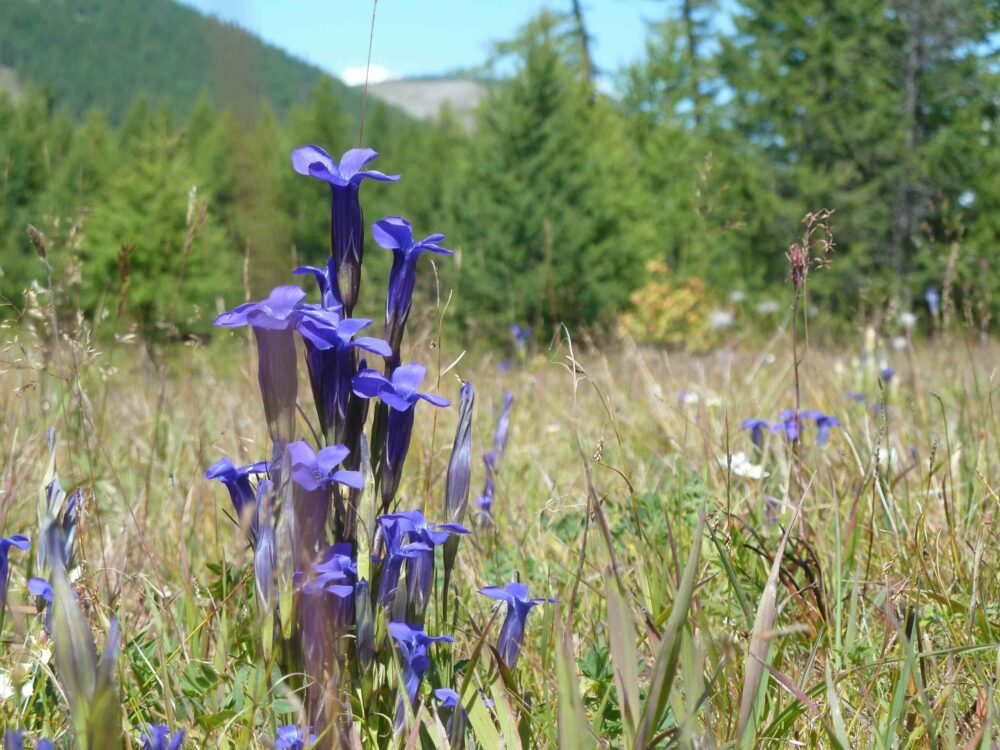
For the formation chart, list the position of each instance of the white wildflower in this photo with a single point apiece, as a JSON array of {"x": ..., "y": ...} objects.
[
  {"x": 720, "y": 319},
  {"x": 741, "y": 466},
  {"x": 6, "y": 687}
]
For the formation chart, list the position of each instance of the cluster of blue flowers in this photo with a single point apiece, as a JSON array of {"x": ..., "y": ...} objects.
[
  {"x": 792, "y": 424},
  {"x": 333, "y": 577},
  {"x": 342, "y": 577}
]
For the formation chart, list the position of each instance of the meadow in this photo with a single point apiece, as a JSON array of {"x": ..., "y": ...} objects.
[{"x": 712, "y": 592}]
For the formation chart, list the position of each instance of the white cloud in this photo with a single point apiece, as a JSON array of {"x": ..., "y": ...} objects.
[{"x": 355, "y": 75}]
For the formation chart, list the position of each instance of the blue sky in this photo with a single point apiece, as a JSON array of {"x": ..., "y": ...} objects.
[{"x": 426, "y": 37}]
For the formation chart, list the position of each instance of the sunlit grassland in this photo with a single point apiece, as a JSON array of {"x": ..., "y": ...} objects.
[{"x": 886, "y": 603}]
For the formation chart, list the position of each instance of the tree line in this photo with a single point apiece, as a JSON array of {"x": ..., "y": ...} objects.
[{"x": 717, "y": 142}]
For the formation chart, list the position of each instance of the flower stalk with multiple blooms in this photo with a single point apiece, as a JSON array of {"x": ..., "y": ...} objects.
[{"x": 340, "y": 587}]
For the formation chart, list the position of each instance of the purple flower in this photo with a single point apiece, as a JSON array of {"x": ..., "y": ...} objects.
[
  {"x": 518, "y": 607},
  {"x": 886, "y": 373},
  {"x": 448, "y": 697},
  {"x": 856, "y": 396},
  {"x": 757, "y": 428},
  {"x": 413, "y": 643},
  {"x": 395, "y": 233},
  {"x": 290, "y": 737},
  {"x": 313, "y": 471},
  {"x": 791, "y": 423},
  {"x": 933, "y": 300},
  {"x": 326, "y": 278},
  {"x": 394, "y": 531},
  {"x": 18, "y": 541},
  {"x": 347, "y": 237},
  {"x": 331, "y": 356},
  {"x": 326, "y": 611},
  {"x": 400, "y": 395},
  {"x": 823, "y": 426},
  {"x": 521, "y": 335},
  {"x": 333, "y": 573},
  {"x": 485, "y": 501},
  {"x": 420, "y": 564},
  {"x": 237, "y": 481},
  {"x": 312, "y": 474},
  {"x": 771, "y": 507},
  {"x": 158, "y": 737},
  {"x": 41, "y": 588},
  {"x": 503, "y": 428},
  {"x": 451, "y": 701},
  {"x": 273, "y": 321}
]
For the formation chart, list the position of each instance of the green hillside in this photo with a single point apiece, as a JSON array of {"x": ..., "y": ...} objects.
[{"x": 169, "y": 51}]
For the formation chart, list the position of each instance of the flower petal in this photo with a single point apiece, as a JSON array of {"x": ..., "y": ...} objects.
[{"x": 305, "y": 156}]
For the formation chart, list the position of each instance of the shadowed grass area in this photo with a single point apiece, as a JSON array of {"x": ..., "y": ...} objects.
[{"x": 878, "y": 626}]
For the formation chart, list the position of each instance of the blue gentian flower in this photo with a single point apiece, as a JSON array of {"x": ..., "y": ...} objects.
[
  {"x": 400, "y": 395},
  {"x": 933, "y": 300},
  {"x": 521, "y": 335},
  {"x": 312, "y": 474},
  {"x": 393, "y": 531},
  {"x": 13, "y": 740},
  {"x": 159, "y": 737},
  {"x": 41, "y": 588},
  {"x": 290, "y": 737},
  {"x": 451, "y": 701},
  {"x": 413, "y": 643},
  {"x": 791, "y": 424},
  {"x": 485, "y": 501},
  {"x": 420, "y": 565},
  {"x": 448, "y": 697},
  {"x": 347, "y": 237},
  {"x": 823, "y": 426},
  {"x": 518, "y": 607},
  {"x": 771, "y": 507},
  {"x": 502, "y": 429},
  {"x": 312, "y": 471},
  {"x": 17, "y": 541},
  {"x": 395, "y": 233},
  {"x": 326, "y": 611},
  {"x": 273, "y": 321},
  {"x": 757, "y": 428},
  {"x": 331, "y": 356},
  {"x": 887, "y": 373},
  {"x": 326, "y": 278},
  {"x": 237, "y": 481}
]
